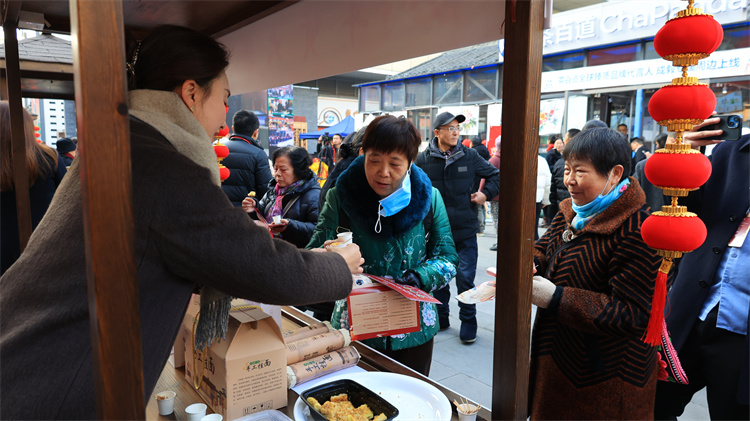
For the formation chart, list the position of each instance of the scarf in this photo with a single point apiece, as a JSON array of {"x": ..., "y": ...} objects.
[
  {"x": 165, "y": 112},
  {"x": 278, "y": 208},
  {"x": 585, "y": 213}
]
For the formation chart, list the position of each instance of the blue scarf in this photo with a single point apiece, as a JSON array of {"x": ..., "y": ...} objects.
[{"x": 587, "y": 212}]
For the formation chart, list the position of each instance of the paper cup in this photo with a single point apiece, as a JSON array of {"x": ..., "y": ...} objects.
[
  {"x": 345, "y": 238},
  {"x": 165, "y": 402},
  {"x": 463, "y": 409},
  {"x": 277, "y": 219},
  {"x": 196, "y": 411},
  {"x": 212, "y": 417}
]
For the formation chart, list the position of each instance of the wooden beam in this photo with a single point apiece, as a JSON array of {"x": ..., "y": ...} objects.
[
  {"x": 106, "y": 189},
  {"x": 518, "y": 162},
  {"x": 18, "y": 136}
]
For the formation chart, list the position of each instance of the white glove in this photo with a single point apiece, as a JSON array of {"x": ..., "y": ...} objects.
[{"x": 542, "y": 291}]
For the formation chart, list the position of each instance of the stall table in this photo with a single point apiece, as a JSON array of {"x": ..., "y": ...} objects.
[{"x": 371, "y": 360}]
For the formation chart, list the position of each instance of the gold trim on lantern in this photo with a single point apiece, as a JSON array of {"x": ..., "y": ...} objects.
[
  {"x": 690, "y": 10},
  {"x": 675, "y": 211},
  {"x": 675, "y": 191},
  {"x": 670, "y": 254},
  {"x": 677, "y": 148},
  {"x": 666, "y": 265},
  {"x": 685, "y": 59},
  {"x": 687, "y": 81},
  {"x": 680, "y": 124}
]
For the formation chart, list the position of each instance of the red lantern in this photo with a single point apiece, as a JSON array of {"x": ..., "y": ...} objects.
[
  {"x": 679, "y": 107},
  {"x": 677, "y": 173},
  {"x": 224, "y": 132},
  {"x": 223, "y": 172},
  {"x": 221, "y": 150},
  {"x": 672, "y": 233},
  {"x": 685, "y": 40},
  {"x": 681, "y": 233}
]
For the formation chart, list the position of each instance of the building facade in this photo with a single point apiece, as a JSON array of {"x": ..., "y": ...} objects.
[{"x": 599, "y": 62}]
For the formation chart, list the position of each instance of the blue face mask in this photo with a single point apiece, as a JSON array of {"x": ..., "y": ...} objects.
[
  {"x": 395, "y": 201},
  {"x": 587, "y": 212}
]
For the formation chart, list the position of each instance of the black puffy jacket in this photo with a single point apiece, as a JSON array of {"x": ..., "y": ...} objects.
[
  {"x": 456, "y": 177},
  {"x": 248, "y": 169},
  {"x": 559, "y": 190},
  {"x": 300, "y": 207}
]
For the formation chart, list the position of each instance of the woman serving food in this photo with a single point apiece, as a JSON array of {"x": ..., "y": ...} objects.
[{"x": 187, "y": 236}]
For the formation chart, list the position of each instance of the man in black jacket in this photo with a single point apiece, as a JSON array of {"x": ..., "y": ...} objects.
[
  {"x": 709, "y": 309},
  {"x": 247, "y": 161},
  {"x": 454, "y": 170}
]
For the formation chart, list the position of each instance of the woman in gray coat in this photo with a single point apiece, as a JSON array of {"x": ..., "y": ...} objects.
[{"x": 188, "y": 237}]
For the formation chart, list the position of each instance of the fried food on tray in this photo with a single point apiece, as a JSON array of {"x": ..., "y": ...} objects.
[{"x": 338, "y": 408}]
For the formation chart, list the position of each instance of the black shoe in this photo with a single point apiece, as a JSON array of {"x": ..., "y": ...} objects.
[
  {"x": 494, "y": 247},
  {"x": 444, "y": 323},
  {"x": 468, "y": 333}
]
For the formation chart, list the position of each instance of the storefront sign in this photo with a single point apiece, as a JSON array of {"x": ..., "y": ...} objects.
[
  {"x": 332, "y": 110},
  {"x": 619, "y": 21},
  {"x": 719, "y": 64}
]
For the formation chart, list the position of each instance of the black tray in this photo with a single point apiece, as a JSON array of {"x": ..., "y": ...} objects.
[{"x": 358, "y": 395}]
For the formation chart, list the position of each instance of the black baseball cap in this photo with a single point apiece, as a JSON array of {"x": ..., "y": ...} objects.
[{"x": 444, "y": 118}]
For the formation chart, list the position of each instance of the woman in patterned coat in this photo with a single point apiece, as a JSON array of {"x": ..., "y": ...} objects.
[{"x": 594, "y": 285}]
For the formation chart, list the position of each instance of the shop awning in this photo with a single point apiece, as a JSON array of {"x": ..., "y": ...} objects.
[{"x": 343, "y": 128}]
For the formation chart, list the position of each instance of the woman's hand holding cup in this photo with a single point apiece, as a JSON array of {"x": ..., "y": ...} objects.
[{"x": 352, "y": 256}]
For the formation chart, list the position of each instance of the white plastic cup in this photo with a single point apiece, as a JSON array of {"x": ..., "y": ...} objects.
[
  {"x": 212, "y": 417},
  {"x": 165, "y": 402},
  {"x": 196, "y": 411},
  {"x": 463, "y": 409},
  {"x": 345, "y": 238}
]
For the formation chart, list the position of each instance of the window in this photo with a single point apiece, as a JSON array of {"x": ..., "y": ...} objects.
[
  {"x": 650, "y": 51},
  {"x": 738, "y": 37},
  {"x": 394, "y": 96},
  {"x": 563, "y": 61},
  {"x": 418, "y": 92},
  {"x": 370, "y": 98},
  {"x": 617, "y": 54},
  {"x": 422, "y": 119},
  {"x": 480, "y": 85},
  {"x": 448, "y": 88}
]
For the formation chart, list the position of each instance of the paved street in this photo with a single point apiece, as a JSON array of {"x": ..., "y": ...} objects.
[{"x": 467, "y": 369}]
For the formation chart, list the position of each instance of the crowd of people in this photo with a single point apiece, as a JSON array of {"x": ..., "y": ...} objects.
[{"x": 414, "y": 217}]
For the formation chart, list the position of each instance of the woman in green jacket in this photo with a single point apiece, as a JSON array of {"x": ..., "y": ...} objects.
[{"x": 388, "y": 203}]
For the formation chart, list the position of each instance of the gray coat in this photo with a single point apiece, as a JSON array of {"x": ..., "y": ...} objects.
[{"x": 187, "y": 234}]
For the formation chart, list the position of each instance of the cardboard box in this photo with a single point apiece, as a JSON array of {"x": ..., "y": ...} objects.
[
  {"x": 186, "y": 329},
  {"x": 380, "y": 307},
  {"x": 184, "y": 335},
  {"x": 246, "y": 373}
]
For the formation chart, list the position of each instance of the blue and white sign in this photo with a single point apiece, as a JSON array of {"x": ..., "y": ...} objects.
[
  {"x": 728, "y": 63},
  {"x": 613, "y": 22}
]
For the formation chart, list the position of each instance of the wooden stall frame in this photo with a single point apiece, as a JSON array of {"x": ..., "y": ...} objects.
[
  {"x": 521, "y": 89},
  {"x": 106, "y": 190},
  {"x": 18, "y": 137}
]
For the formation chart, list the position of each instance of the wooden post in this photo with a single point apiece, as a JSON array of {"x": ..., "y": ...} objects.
[
  {"x": 106, "y": 178},
  {"x": 518, "y": 162},
  {"x": 18, "y": 136}
]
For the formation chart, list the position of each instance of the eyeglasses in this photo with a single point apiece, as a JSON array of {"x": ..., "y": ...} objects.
[{"x": 452, "y": 128}]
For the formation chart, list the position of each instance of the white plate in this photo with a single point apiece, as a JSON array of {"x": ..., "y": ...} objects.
[{"x": 415, "y": 399}]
